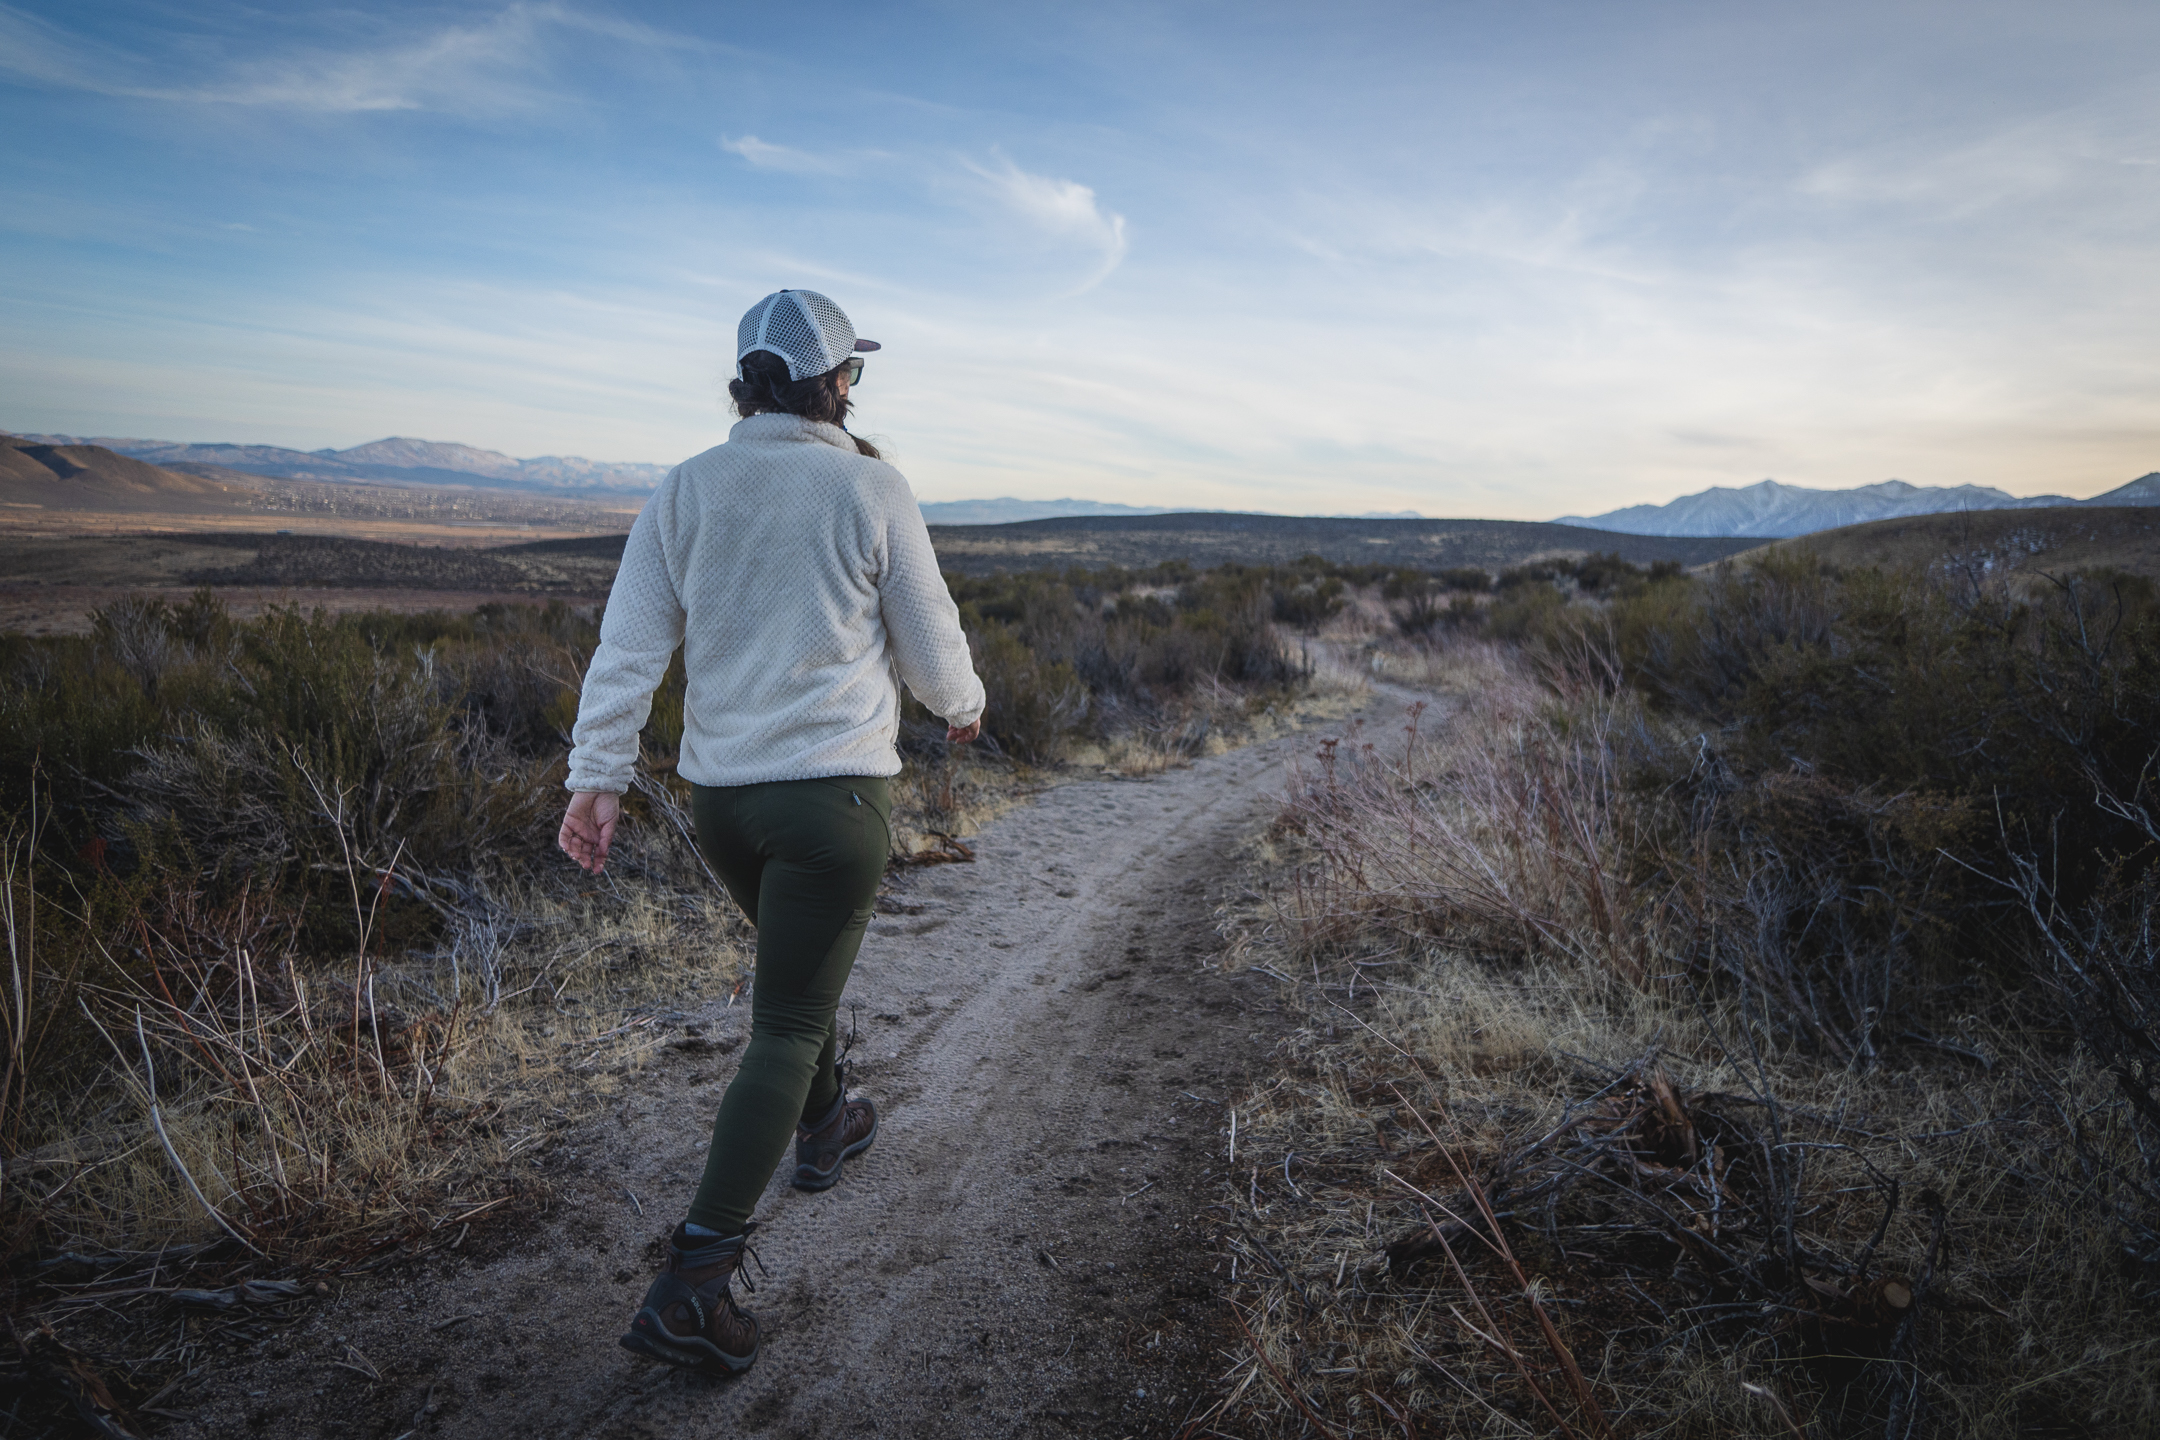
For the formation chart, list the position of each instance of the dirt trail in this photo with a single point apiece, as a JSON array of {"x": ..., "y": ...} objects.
[{"x": 1022, "y": 1253}]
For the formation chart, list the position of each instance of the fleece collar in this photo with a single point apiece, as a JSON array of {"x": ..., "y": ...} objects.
[{"x": 774, "y": 428}]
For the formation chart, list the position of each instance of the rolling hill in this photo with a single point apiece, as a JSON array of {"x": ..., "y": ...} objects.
[
  {"x": 37, "y": 476},
  {"x": 52, "y": 488},
  {"x": 1005, "y": 509},
  {"x": 1210, "y": 538},
  {"x": 1991, "y": 542}
]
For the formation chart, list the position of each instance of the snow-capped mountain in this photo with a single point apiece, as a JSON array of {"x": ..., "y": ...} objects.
[{"x": 1772, "y": 510}]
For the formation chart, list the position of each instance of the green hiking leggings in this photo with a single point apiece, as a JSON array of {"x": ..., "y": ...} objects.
[{"x": 803, "y": 859}]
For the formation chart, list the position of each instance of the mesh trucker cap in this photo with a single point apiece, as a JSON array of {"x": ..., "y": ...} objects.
[{"x": 803, "y": 328}]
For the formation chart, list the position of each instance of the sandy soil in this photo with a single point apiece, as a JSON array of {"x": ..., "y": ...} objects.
[{"x": 1026, "y": 1250}]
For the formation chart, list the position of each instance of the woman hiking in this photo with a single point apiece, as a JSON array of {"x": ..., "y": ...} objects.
[{"x": 793, "y": 568}]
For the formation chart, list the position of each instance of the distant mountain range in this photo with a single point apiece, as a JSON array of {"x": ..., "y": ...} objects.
[
  {"x": 395, "y": 461},
  {"x": 1769, "y": 510},
  {"x": 1005, "y": 510},
  {"x": 1776, "y": 511},
  {"x": 400, "y": 460}
]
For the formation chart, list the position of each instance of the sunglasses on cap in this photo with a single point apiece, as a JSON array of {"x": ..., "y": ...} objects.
[{"x": 852, "y": 368}]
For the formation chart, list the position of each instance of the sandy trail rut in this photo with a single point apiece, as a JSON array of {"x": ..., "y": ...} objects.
[{"x": 1021, "y": 1253}]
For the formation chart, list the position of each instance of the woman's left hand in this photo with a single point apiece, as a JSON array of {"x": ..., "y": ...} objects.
[{"x": 588, "y": 827}]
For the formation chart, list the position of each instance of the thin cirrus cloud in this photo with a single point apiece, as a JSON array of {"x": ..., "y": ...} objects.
[
  {"x": 1065, "y": 213},
  {"x": 497, "y": 64},
  {"x": 764, "y": 155},
  {"x": 2094, "y": 148},
  {"x": 485, "y": 67},
  {"x": 1062, "y": 210},
  {"x": 41, "y": 52}
]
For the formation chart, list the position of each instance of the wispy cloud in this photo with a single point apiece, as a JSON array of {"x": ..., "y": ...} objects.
[
  {"x": 1064, "y": 210},
  {"x": 765, "y": 155},
  {"x": 39, "y": 50},
  {"x": 497, "y": 64},
  {"x": 2082, "y": 151},
  {"x": 491, "y": 66}
]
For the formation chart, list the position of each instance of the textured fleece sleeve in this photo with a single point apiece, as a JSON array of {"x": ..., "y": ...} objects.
[
  {"x": 638, "y": 636},
  {"x": 921, "y": 622}
]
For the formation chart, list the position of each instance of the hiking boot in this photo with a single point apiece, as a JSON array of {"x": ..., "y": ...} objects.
[
  {"x": 690, "y": 1317},
  {"x": 847, "y": 1129}
]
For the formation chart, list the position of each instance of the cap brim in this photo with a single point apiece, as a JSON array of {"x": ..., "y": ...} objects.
[{"x": 868, "y": 345}]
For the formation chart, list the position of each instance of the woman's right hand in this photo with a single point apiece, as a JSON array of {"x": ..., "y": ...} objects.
[
  {"x": 588, "y": 827},
  {"x": 962, "y": 734}
]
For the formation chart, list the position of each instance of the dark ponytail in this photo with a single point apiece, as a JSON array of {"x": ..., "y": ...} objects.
[{"x": 765, "y": 386}]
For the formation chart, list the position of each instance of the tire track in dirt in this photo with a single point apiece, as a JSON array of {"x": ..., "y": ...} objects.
[{"x": 1021, "y": 1253}]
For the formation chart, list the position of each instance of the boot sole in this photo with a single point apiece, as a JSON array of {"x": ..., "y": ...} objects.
[
  {"x": 644, "y": 1338},
  {"x": 809, "y": 1179}
]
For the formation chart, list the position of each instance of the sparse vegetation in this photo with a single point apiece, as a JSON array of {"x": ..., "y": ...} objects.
[
  {"x": 1205, "y": 540},
  {"x": 1991, "y": 542},
  {"x": 1101, "y": 662},
  {"x": 1732, "y": 1014},
  {"x": 294, "y": 984},
  {"x": 296, "y": 981}
]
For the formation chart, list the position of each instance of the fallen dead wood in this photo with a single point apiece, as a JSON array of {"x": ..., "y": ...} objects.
[{"x": 943, "y": 850}]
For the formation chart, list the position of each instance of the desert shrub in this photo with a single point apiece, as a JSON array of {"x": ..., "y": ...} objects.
[
  {"x": 281, "y": 751},
  {"x": 1530, "y": 610},
  {"x": 1032, "y": 706},
  {"x": 1404, "y": 584},
  {"x": 1309, "y": 603},
  {"x": 1420, "y": 612},
  {"x": 69, "y": 713},
  {"x": 1231, "y": 614},
  {"x": 1929, "y": 795},
  {"x": 2014, "y": 709},
  {"x": 1605, "y": 573},
  {"x": 1629, "y": 1041},
  {"x": 1557, "y": 574},
  {"x": 1103, "y": 653}
]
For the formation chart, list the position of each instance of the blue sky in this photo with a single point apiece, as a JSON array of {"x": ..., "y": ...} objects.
[{"x": 1503, "y": 259}]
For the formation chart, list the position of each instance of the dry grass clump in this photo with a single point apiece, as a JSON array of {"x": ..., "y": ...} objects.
[
  {"x": 227, "y": 1117},
  {"x": 1544, "y": 1162},
  {"x": 234, "y": 1085}
]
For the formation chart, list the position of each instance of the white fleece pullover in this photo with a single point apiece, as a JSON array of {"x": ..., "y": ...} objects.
[{"x": 797, "y": 576}]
